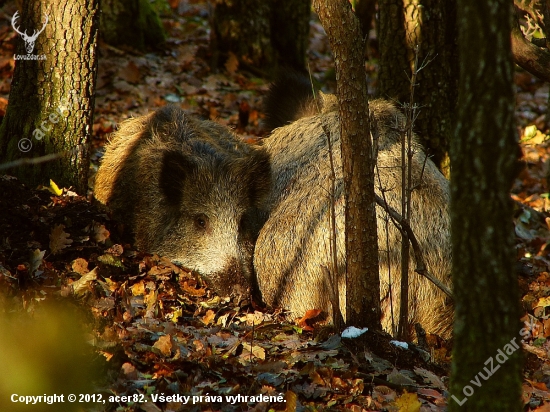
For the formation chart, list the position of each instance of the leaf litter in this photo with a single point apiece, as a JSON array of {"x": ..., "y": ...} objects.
[{"x": 158, "y": 329}]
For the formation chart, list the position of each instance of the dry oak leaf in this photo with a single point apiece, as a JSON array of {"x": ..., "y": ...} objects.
[
  {"x": 36, "y": 258},
  {"x": 191, "y": 290},
  {"x": 83, "y": 284},
  {"x": 256, "y": 351},
  {"x": 59, "y": 239},
  {"x": 209, "y": 317},
  {"x": 310, "y": 314},
  {"x": 80, "y": 266},
  {"x": 99, "y": 232},
  {"x": 164, "y": 345}
]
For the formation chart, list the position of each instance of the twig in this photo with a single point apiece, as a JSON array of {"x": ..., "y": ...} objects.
[
  {"x": 337, "y": 317},
  {"x": 418, "y": 257},
  {"x": 26, "y": 161}
]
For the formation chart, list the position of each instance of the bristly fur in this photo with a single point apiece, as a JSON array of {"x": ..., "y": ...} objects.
[
  {"x": 290, "y": 98},
  {"x": 190, "y": 190},
  {"x": 294, "y": 243}
]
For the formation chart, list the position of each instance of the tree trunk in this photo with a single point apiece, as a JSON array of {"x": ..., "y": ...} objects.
[
  {"x": 365, "y": 11},
  {"x": 263, "y": 35},
  {"x": 394, "y": 67},
  {"x": 131, "y": 23},
  {"x": 290, "y": 32},
  {"x": 51, "y": 100},
  {"x": 430, "y": 25},
  {"x": 483, "y": 153},
  {"x": 362, "y": 281}
]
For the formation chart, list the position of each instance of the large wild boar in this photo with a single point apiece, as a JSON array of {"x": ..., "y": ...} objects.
[{"x": 294, "y": 243}]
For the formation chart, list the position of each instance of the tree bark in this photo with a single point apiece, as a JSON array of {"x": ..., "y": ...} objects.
[
  {"x": 263, "y": 35},
  {"x": 290, "y": 32},
  {"x": 534, "y": 59},
  {"x": 393, "y": 82},
  {"x": 362, "y": 281},
  {"x": 131, "y": 23},
  {"x": 483, "y": 154},
  {"x": 51, "y": 100},
  {"x": 426, "y": 27},
  {"x": 365, "y": 11}
]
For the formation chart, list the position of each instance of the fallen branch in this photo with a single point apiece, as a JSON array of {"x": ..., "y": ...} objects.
[
  {"x": 30, "y": 161},
  {"x": 26, "y": 161},
  {"x": 534, "y": 59}
]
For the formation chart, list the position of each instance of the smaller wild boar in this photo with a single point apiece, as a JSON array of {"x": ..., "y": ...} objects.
[{"x": 189, "y": 190}]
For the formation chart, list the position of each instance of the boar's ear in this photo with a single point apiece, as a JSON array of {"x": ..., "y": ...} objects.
[
  {"x": 260, "y": 175},
  {"x": 174, "y": 170}
]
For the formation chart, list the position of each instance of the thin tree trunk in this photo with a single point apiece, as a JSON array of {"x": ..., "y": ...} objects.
[
  {"x": 241, "y": 28},
  {"x": 483, "y": 153},
  {"x": 290, "y": 32},
  {"x": 426, "y": 27},
  {"x": 51, "y": 100},
  {"x": 264, "y": 35},
  {"x": 362, "y": 281},
  {"x": 131, "y": 23}
]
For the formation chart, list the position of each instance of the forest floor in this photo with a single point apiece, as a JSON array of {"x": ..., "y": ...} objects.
[{"x": 115, "y": 322}]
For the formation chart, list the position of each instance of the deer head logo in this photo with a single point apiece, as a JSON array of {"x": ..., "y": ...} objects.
[{"x": 29, "y": 40}]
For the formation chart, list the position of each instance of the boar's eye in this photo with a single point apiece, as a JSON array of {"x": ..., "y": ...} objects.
[{"x": 201, "y": 222}]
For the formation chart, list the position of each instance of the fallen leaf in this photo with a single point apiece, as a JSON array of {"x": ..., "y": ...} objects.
[
  {"x": 160, "y": 271},
  {"x": 232, "y": 63},
  {"x": 272, "y": 367},
  {"x": 36, "y": 259},
  {"x": 310, "y": 314},
  {"x": 430, "y": 377},
  {"x": 432, "y": 393},
  {"x": 59, "y": 239},
  {"x": 256, "y": 351},
  {"x": 543, "y": 408},
  {"x": 408, "y": 402},
  {"x": 538, "y": 385},
  {"x": 131, "y": 73},
  {"x": 55, "y": 189},
  {"x": 151, "y": 300},
  {"x": 192, "y": 291},
  {"x": 115, "y": 250},
  {"x": 256, "y": 318},
  {"x": 199, "y": 346},
  {"x": 164, "y": 345},
  {"x": 82, "y": 285},
  {"x": 209, "y": 317},
  {"x": 383, "y": 394},
  {"x": 398, "y": 378},
  {"x": 138, "y": 289},
  {"x": 80, "y": 266},
  {"x": 543, "y": 302},
  {"x": 129, "y": 371},
  {"x": 533, "y": 136},
  {"x": 99, "y": 232},
  {"x": 291, "y": 401}
]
